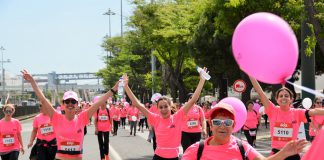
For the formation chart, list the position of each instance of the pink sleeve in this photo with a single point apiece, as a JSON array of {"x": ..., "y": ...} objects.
[
  {"x": 270, "y": 109},
  {"x": 191, "y": 152},
  {"x": 152, "y": 118},
  {"x": 250, "y": 151},
  {"x": 84, "y": 118},
  {"x": 301, "y": 114},
  {"x": 35, "y": 123},
  {"x": 19, "y": 126},
  {"x": 55, "y": 118}
]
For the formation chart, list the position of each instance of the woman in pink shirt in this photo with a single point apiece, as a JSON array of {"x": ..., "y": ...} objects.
[
  {"x": 115, "y": 112},
  {"x": 194, "y": 125},
  {"x": 45, "y": 146},
  {"x": 123, "y": 113},
  {"x": 167, "y": 127},
  {"x": 317, "y": 121},
  {"x": 284, "y": 119},
  {"x": 103, "y": 123},
  {"x": 223, "y": 145},
  {"x": 132, "y": 118},
  {"x": 250, "y": 126},
  {"x": 10, "y": 135},
  {"x": 69, "y": 127}
]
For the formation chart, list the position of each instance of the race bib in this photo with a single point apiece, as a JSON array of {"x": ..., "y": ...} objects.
[
  {"x": 134, "y": 118},
  {"x": 282, "y": 131},
  {"x": 103, "y": 118},
  {"x": 252, "y": 133},
  {"x": 8, "y": 140},
  {"x": 192, "y": 123},
  {"x": 70, "y": 146},
  {"x": 142, "y": 117},
  {"x": 46, "y": 129}
]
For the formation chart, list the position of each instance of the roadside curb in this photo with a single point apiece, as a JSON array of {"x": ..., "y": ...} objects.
[{"x": 21, "y": 118}]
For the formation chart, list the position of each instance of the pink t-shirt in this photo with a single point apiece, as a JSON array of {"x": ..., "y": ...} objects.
[
  {"x": 123, "y": 112},
  {"x": 192, "y": 121},
  {"x": 69, "y": 134},
  {"x": 9, "y": 135},
  {"x": 115, "y": 112},
  {"x": 284, "y": 125},
  {"x": 103, "y": 122},
  {"x": 316, "y": 149},
  {"x": 251, "y": 120},
  {"x": 227, "y": 151},
  {"x": 316, "y": 120},
  {"x": 44, "y": 127},
  {"x": 168, "y": 133},
  {"x": 132, "y": 114}
]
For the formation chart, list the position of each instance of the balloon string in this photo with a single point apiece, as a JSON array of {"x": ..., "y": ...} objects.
[{"x": 307, "y": 89}]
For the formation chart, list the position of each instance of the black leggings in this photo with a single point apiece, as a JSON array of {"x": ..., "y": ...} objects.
[
  {"x": 13, "y": 155},
  {"x": 293, "y": 157},
  {"x": 187, "y": 139},
  {"x": 133, "y": 127},
  {"x": 156, "y": 157},
  {"x": 103, "y": 139},
  {"x": 141, "y": 123},
  {"x": 123, "y": 121},
  {"x": 115, "y": 126},
  {"x": 249, "y": 138}
]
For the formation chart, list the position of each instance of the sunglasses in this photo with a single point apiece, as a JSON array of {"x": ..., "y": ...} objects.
[
  {"x": 8, "y": 111},
  {"x": 68, "y": 101},
  {"x": 318, "y": 102},
  {"x": 163, "y": 106},
  {"x": 219, "y": 122}
]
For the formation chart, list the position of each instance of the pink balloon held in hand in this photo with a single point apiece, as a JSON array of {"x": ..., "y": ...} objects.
[{"x": 265, "y": 47}]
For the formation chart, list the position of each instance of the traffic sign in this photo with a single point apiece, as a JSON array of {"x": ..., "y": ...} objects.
[{"x": 239, "y": 86}]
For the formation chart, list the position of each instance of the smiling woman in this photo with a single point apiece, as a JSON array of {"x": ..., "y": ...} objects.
[{"x": 10, "y": 131}]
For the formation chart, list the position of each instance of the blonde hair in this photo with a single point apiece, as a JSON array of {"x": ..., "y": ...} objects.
[{"x": 9, "y": 106}]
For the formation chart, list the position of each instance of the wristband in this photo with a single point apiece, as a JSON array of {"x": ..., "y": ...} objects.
[
  {"x": 114, "y": 92},
  {"x": 307, "y": 116}
]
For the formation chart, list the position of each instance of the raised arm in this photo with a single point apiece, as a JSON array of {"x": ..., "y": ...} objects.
[
  {"x": 48, "y": 108},
  {"x": 132, "y": 97},
  {"x": 101, "y": 101},
  {"x": 196, "y": 94},
  {"x": 265, "y": 101}
]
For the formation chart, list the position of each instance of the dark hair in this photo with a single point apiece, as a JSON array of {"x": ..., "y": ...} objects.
[
  {"x": 248, "y": 102},
  {"x": 189, "y": 95},
  {"x": 285, "y": 89}
]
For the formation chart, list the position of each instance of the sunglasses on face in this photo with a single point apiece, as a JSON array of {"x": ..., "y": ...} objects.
[
  {"x": 163, "y": 106},
  {"x": 318, "y": 103},
  {"x": 219, "y": 122},
  {"x": 8, "y": 111},
  {"x": 68, "y": 101}
]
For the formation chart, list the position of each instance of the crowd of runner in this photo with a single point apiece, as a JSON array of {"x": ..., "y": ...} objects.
[{"x": 204, "y": 131}]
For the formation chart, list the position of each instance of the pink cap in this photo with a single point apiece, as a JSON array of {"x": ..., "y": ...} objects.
[
  {"x": 70, "y": 95},
  {"x": 95, "y": 99}
]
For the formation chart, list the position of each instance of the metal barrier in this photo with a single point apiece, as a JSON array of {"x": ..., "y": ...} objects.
[{"x": 22, "y": 111}]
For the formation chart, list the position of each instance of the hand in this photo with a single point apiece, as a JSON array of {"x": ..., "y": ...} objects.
[
  {"x": 294, "y": 147},
  {"x": 204, "y": 133},
  {"x": 27, "y": 76},
  {"x": 30, "y": 144},
  {"x": 22, "y": 150},
  {"x": 125, "y": 78},
  {"x": 200, "y": 73}
]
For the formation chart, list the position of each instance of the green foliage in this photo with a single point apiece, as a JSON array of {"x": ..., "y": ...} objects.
[{"x": 310, "y": 41}]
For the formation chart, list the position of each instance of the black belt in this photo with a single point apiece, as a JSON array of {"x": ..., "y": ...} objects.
[{"x": 70, "y": 152}]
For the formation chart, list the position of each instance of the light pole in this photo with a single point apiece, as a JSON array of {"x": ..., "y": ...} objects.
[
  {"x": 109, "y": 12},
  {"x": 3, "y": 72},
  {"x": 121, "y": 18}
]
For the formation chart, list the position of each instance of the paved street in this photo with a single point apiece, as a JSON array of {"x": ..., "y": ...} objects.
[{"x": 125, "y": 146}]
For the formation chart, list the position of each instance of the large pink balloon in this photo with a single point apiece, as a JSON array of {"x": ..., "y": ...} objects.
[
  {"x": 265, "y": 47},
  {"x": 240, "y": 111}
]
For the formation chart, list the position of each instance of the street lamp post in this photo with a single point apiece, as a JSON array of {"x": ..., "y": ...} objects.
[
  {"x": 109, "y": 12},
  {"x": 3, "y": 72}
]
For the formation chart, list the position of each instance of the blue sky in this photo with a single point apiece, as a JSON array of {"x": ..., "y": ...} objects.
[{"x": 57, "y": 35}]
